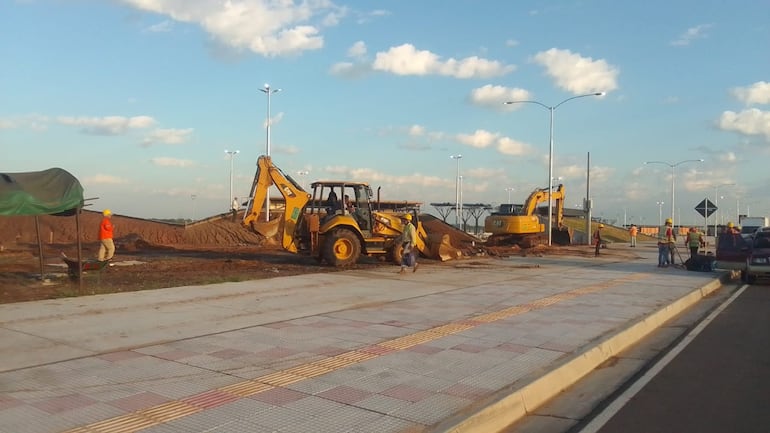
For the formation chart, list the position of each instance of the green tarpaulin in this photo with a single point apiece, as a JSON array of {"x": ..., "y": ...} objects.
[{"x": 49, "y": 192}]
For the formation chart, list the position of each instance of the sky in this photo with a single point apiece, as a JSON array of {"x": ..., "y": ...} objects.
[{"x": 141, "y": 99}]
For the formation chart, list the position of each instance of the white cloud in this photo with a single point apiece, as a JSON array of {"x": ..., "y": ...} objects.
[
  {"x": 104, "y": 179},
  {"x": 578, "y": 74},
  {"x": 511, "y": 43},
  {"x": 479, "y": 139},
  {"x": 747, "y": 122},
  {"x": 163, "y": 161},
  {"x": 728, "y": 157},
  {"x": 757, "y": 93},
  {"x": 416, "y": 130},
  {"x": 494, "y": 96},
  {"x": 110, "y": 125},
  {"x": 357, "y": 50},
  {"x": 269, "y": 28},
  {"x": 691, "y": 34},
  {"x": 407, "y": 60},
  {"x": 161, "y": 27},
  {"x": 509, "y": 146},
  {"x": 168, "y": 136},
  {"x": 273, "y": 120}
]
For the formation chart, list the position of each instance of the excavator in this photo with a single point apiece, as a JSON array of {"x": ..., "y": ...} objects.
[
  {"x": 337, "y": 223},
  {"x": 520, "y": 226}
]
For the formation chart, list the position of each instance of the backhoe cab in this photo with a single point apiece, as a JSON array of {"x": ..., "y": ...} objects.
[
  {"x": 336, "y": 223},
  {"x": 515, "y": 225}
]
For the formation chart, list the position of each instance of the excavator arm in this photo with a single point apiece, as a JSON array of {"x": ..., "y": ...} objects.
[{"x": 294, "y": 196}]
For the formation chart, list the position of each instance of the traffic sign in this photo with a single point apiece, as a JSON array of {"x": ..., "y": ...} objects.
[{"x": 706, "y": 208}]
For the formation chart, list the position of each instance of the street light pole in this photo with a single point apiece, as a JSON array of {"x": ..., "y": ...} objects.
[
  {"x": 551, "y": 110},
  {"x": 509, "y": 189},
  {"x": 716, "y": 204},
  {"x": 673, "y": 177},
  {"x": 458, "y": 192},
  {"x": 232, "y": 154},
  {"x": 660, "y": 212},
  {"x": 268, "y": 91}
]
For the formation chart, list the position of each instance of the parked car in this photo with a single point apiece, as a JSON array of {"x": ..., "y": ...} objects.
[
  {"x": 758, "y": 261},
  {"x": 749, "y": 254}
]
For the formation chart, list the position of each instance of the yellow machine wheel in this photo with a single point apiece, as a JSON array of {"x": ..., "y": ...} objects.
[{"x": 341, "y": 248}]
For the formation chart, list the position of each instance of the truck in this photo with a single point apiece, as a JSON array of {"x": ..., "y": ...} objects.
[
  {"x": 518, "y": 225},
  {"x": 337, "y": 223},
  {"x": 750, "y": 224}
]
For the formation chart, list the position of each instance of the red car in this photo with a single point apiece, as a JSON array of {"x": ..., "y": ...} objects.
[{"x": 749, "y": 254}]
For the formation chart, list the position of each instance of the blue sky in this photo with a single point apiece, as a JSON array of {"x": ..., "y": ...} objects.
[{"x": 140, "y": 99}]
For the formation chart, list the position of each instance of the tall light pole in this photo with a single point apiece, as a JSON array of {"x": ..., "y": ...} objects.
[
  {"x": 268, "y": 91},
  {"x": 232, "y": 154},
  {"x": 509, "y": 189},
  {"x": 303, "y": 173},
  {"x": 673, "y": 176},
  {"x": 458, "y": 192},
  {"x": 716, "y": 203},
  {"x": 660, "y": 212},
  {"x": 551, "y": 109}
]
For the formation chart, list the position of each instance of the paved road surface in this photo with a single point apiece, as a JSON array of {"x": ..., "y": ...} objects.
[{"x": 720, "y": 382}]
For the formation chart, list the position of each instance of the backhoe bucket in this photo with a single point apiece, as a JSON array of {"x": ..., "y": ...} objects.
[
  {"x": 268, "y": 229},
  {"x": 440, "y": 248}
]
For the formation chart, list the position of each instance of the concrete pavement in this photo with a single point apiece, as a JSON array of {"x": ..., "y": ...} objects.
[{"x": 468, "y": 346}]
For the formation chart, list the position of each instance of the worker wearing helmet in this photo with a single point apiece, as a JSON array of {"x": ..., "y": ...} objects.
[
  {"x": 107, "y": 246},
  {"x": 732, "y": 229},
  {"x": 408, "y": 238},
  {"x": 666, "y": 244},
  {"x": 693, "y": 241},
  {"x": 598, "y": 239}
]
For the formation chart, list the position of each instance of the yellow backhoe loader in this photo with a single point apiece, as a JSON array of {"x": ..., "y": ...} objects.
[
  {"x": 522, "y": 227},
  {"x": 336, "y": 223}
]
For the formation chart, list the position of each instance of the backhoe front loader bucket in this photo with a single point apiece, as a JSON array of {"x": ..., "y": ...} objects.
[{"x": 439, "y": 247}]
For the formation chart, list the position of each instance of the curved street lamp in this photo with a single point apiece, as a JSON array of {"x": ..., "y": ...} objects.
[
  {"x": 673, "y": 166},
  {"x": 551, "y": 109},
  {"x": 268, "y": 91}
]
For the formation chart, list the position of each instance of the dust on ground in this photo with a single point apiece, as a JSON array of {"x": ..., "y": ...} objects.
[{"x": 152, "y": 255}]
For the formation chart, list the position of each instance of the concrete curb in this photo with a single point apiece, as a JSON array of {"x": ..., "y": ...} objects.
[{"x": 509, "y": 406}]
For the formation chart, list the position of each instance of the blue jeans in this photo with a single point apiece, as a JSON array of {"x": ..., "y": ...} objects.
[{"x": 663, "y": 254}]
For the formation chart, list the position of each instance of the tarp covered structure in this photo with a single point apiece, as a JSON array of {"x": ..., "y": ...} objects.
[{"x": 49, "y": 192}]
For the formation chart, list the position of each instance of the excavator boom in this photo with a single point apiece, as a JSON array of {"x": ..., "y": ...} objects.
[{"x": 294, "y": 196}]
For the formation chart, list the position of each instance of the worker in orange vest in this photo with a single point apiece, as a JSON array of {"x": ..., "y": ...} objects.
[{"x": 633, "y": 232}]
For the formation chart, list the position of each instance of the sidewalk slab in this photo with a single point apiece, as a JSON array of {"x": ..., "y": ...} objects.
[{"x": 358, "y": 351}]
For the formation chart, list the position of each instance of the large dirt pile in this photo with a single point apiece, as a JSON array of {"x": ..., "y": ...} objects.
[{"x": 129, "y": 231}]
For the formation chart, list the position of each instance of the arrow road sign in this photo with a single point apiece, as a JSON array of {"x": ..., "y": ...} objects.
[{"x": 706, "y": 208}]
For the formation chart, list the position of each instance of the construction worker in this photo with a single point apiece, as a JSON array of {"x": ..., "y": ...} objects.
[
  {"x": 731, "y": 229},
  {"x": 693, "y": 241},
  {"x": 632, "y": 232},
  {"x": 598, "y": 239},
  {"x": 107, "y": 246},
  {"x": 408, "y": 238},
  {"x": 670, "y": 239},
  {"x": 664, "y": 250}
]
